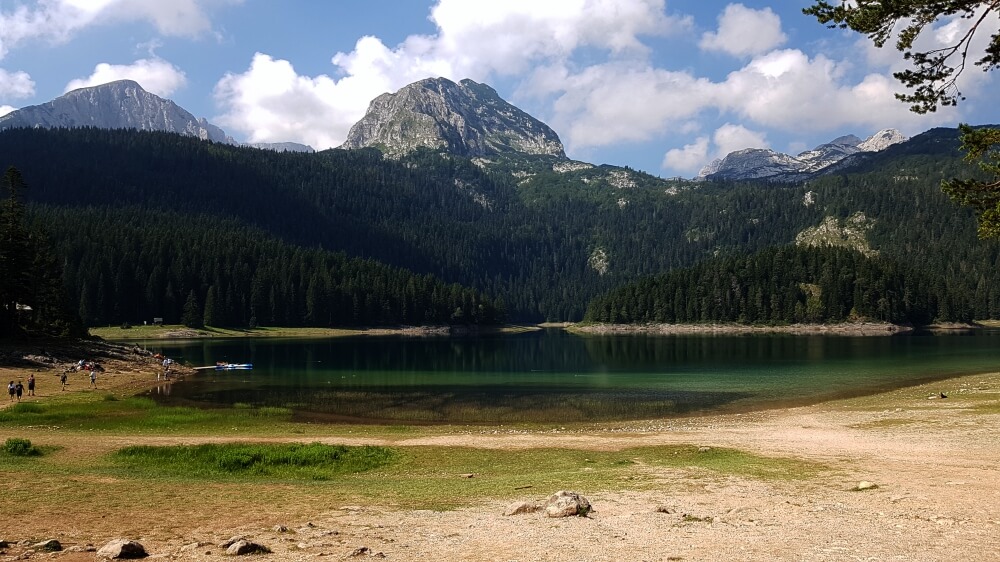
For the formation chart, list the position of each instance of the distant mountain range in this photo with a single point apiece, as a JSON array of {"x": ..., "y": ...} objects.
[
  {"x": 465, "y": 119},
  {"x": 766, "y": 164}
]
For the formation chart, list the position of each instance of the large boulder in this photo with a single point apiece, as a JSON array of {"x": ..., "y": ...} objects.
[
  {"x": 121, "y": 549},
  {"x": 51, "y": 545},
  {"x": 567, "y": 504}
]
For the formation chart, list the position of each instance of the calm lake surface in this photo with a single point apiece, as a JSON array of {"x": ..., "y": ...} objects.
[{"x": 553, "y": 376}]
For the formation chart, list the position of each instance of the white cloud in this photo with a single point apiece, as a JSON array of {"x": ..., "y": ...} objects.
[
  {"x": 788, "y": 90},
  {"x": 59, "y": 20},
  {"x": 5, "y": 109},
  {"x": 15, "y": 85},
  {"x": 688, "y": 159},
  {"x": 477, "y": 40},
  {"x": 154, "y": 75},
  {"x": 727, "y": 138},
  {"x": 730, "y": 138},
  {"x": 745, "y": 31},
  {"x": 271, "y": 103}
]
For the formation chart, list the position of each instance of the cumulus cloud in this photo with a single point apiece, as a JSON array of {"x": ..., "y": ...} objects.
[
  {"x": 271, "y": 103},
  {"x": 744, "y": 31},
  {"x": 476, "y": 40},
  {"x": 5, "y": 109},
  {"x": 727, "y": 138},
  {"x": 154, "y": 75},
  {"x": 59, "y": 20},
  {"x": 15, "y": 85},
  {"x": 689, "y": 159}
]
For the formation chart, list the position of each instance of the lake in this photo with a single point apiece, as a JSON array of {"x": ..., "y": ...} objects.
[{"x": 553, "y": 376}]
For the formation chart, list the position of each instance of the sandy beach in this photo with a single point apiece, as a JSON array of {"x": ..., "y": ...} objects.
[{"x": 931, "y": 465}]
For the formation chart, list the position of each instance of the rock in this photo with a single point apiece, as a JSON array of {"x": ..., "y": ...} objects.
[
  {"x": 4, "y": 544},
  {"x": 361, "y": 551},
  {"x": 665, "y": 509},
  {"x": 122, "y": 548},
  {"x": 243, "y": 547},
  {"x": 704, "y": 449},
  {"x": 866, "y": 485},
  {"x": 280, "y": 529},
  {"x": 231, "y": 541},
  {"x": 520, "y": 508},
  {"x": 467, "y": 475},
  {"x": 51, "y": 545},
  {"x": 567, "y": 504}
]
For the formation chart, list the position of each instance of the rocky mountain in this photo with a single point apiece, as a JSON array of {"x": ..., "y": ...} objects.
[
  {"x": 123, "y": 104},
  {"x": 281, "y": 146},
  {"x": 759, "y": 163},
  {"x": 467, "y": 119}
]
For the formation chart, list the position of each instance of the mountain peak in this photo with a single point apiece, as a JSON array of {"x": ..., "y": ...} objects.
[
  {"x": 122, "y": 104},
  {"x": 465, "y": 118}
]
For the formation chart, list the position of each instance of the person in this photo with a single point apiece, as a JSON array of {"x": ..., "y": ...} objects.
[
  {"x": 93, "y": 378},
  {"x": 62, "y": 379},
  {"x": 11, "y": 389},
  {"x": 31, "y": 385},
  {"x": 19, "y": 389}
]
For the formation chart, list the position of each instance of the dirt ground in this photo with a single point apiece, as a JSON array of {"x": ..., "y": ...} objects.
[{"x": 933, "y": 462}]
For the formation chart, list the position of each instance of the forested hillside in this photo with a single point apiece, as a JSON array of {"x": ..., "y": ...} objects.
[
  {"x": 782, "y": 286},
  {"x": 541, "y": 243}
]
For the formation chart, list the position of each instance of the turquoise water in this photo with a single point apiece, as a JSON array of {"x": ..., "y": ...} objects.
[{"x": 553, "y": 376}]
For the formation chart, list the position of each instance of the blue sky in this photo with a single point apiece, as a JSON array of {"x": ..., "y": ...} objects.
[{"x": 659, "y": 85}]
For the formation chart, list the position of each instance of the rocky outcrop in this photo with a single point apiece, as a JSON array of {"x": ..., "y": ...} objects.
[
  {"x": 123, "y": 104},
  {"x": 466, "y": 119}
]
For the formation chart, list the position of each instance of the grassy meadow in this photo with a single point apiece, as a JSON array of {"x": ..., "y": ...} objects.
[{"x": 96, "y": 453}]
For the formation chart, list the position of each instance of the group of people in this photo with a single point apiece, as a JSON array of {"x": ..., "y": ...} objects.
[{"x": 16, "y": 390}]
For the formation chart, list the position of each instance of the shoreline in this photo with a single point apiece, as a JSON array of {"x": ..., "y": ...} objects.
[
  {"x": 178, "y": 332},
  {"x": 903, "y": 474},
  {"x": 845, "y": 329}
]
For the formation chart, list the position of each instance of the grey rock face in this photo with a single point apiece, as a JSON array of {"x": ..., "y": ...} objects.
[
  {"x": 468, "y": 119},
  {"x": 116, "y": 105}
]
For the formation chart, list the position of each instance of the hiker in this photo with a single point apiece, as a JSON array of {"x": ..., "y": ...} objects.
[
  {"x": 62, "y": 379},
  {"x": 19, "y": 389},
  {"x": 93, "y": 378},
  {"x": 31, "y": 385},
  {"x": 11, "y": 390}
]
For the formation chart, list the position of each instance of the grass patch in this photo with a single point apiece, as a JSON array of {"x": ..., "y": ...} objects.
[
  {"x": 291, "y": 461},
  {"x": 736, "y": 463},
  {"x": 141, "y": 414},
  {"x": 19, "y": 447}
]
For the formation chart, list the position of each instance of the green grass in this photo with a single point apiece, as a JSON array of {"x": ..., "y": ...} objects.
[
  {"x": 286, "y": 461},
  {"x": 139, "y": 414}
]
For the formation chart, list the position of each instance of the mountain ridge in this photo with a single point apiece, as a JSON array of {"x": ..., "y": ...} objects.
[{"x": 767, "y": 164}]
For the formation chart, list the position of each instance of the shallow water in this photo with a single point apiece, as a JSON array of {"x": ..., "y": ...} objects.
[{"x": 553, "y": 376}]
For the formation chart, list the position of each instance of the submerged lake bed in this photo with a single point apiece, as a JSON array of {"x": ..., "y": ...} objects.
[{"x": 551, "y": 376}]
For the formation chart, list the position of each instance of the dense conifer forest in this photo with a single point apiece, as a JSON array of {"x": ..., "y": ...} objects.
[
  {"x": 783, "y": 285},
  {"x": 146, "y": 223}
]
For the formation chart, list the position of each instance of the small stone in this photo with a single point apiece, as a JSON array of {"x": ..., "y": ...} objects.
[
  {"x": 231, "y": 541},
  {"x": 866, "y": 485},
  {"x": 704, "y": 449},
  {"x": 467, "y": 475},
  {"x": 51, "y": 545},
  {"x": 244, "y": 547},
  {"x": 361, "y": 551},
  {"x": 280, "y": 529},
  {"x": 521, "y": 508}
]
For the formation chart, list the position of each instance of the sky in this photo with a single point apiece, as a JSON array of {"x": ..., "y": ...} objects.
[{"x": 661, "y": 86}]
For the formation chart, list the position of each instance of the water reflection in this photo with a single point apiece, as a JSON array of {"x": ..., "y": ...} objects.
[{"x": 555, "y": 376}]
